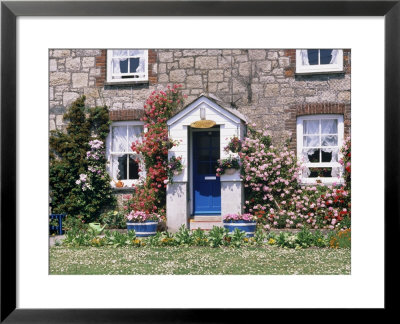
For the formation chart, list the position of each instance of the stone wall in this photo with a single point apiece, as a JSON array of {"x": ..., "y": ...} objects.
[
  {"x": 83, "y": 72},
  {"x": 261, "y": 84}
]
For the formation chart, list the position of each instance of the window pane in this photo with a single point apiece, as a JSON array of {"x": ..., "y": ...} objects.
[
  {"x": 134, "y": 133},
  {"x": 311, "y": 156},
  {"x": 311, "y": 141},
  {"x": 329, "y": 140},
  {"x": 133, "y": 168},
  {"x": 136, "y": 52},
  {"x": 119, "y": 139},
  {"x": 326, "y": 156},
  {"x": 122, "y": 170},
  {"x": 329, "y": 126},
  {"x": 312, "y": 57},
  {"x": 325, "y": 56},
  {"x": 311, "y": 126},
  {"x": 123, "y": 66},
  {"x": 330, "y": 154},
  {"x": 134, "y": 63},
  {"x": 320, "y": 172},
  {"x": 120, "y": 52}
]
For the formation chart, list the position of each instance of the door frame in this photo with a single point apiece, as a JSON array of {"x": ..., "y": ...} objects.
[{"x": 191, "y": 159}]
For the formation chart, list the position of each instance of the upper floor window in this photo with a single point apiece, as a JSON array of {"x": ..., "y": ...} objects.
[
  {"x": 319, "y": 138},
  {"x": 124, "y": 164},
  {"x": 319, "y": 60},
  {"x": 127, "y": 65}
]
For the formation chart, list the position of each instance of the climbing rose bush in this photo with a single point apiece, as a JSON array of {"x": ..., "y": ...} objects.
[
  {"x": 150, "y": 196},
  {"x": 275, "y": 196}
]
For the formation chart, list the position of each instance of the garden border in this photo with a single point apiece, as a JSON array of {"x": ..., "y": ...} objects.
[{"x": 9, "y": 13}]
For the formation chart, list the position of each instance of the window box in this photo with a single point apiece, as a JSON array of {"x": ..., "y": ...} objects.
[{"x": 310, "y": 61}]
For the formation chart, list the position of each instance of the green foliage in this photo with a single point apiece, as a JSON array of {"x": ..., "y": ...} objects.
[
  {"x": 199, "y": 238},
  {"x": 68, "y": 160},
  {"x": 319, "y": 240},
  {"x": 216, "y": 236},
  {"x": 183, "y": 236},
  {"x": 305, "y": 238},
  {"x": 113, "y": 219},
  {"x": 259, "y": 236},
  {"x": 237, "y": 238}
]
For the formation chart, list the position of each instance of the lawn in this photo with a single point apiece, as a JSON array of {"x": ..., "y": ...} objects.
[{"x": 265, "y": 260}]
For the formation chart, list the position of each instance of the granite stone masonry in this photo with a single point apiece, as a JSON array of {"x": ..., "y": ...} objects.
[{"x": 261, "y": 84}]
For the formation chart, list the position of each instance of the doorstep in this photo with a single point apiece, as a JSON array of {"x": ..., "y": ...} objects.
[{"x": 205, "y": 222}]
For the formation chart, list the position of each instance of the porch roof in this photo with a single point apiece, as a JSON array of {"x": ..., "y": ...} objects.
[{"x": 214, "y": 103}]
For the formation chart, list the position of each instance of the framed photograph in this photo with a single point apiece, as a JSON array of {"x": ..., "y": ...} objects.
[{"x": 150, "y": 107}]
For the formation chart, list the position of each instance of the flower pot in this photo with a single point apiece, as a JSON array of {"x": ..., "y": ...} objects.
[
  {"x": 230, "y": 171},
  {"x": 247, "y": 226},
  {"x": 177, "y": 172},
  {"x": 147, "y": 228}
]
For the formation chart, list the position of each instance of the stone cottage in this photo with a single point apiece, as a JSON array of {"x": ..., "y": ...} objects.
[{"x": 301, "y": 96}]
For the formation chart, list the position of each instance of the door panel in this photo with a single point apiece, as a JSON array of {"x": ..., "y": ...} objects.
[{"x": 206, "y": 186}]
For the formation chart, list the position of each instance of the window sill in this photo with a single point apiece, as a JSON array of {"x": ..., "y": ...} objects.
[
  {"x": 127, "y": 82},
  {"x": 319, "y": 72},
  {"x": 123, "y": 189},
  {"x": 325, "y": 181}
]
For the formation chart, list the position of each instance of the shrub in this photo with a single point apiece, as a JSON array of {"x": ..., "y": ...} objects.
[
  {"x": 69, "y": 163},
  {"x": 275, "y": 196}
]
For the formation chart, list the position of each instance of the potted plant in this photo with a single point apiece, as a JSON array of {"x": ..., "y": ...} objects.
[
  {"x": 228, "y": 165},
  {"x": 243, "y": 222},
  {"x": 144, "y": 224},
  {"x": 174, "y": 167},
  {"x": 234, "y": 145}
]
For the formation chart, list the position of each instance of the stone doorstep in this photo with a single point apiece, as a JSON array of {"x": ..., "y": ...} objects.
[{"x": 203, "y": 225}]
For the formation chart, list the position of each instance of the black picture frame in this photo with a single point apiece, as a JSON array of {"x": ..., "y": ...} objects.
[{"x": 9, "y": 13}]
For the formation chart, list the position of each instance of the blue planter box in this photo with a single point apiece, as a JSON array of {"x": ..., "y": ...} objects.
[
  {"x": 147, "y": 228},
  {"x": 246, "y": 226}
]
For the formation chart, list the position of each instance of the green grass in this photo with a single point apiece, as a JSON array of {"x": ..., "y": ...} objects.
[{"x": 198, "y": 261}]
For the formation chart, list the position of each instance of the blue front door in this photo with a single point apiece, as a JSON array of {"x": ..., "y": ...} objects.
[{"x": 206, "y": 185}]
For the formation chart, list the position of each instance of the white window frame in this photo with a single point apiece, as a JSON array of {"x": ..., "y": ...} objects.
[
  {"x": 320, "y": 68},
  {"x": 109, "y": 153},
  {"x": 134, "y": 79},
  {"x": 299, "y": 129}
]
